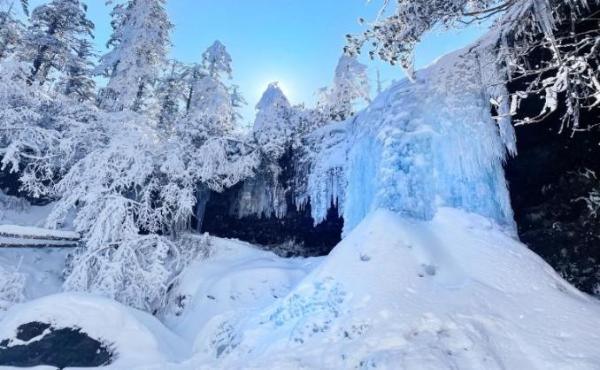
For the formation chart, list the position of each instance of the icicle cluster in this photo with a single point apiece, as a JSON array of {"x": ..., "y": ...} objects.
[{"x": 417, "y": 147}]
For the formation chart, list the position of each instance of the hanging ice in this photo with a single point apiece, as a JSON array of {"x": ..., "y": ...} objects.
[{"x": 420, "y": 146}]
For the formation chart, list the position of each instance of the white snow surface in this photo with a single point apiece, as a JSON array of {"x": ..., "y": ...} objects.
[
  {"x": 138, "y": 338},
  {"x": 455, "y": 292},
  {"x": 36, "y": 232},
  {"x": 236, "y": 280},
  {"x": 28, "y": 216}
]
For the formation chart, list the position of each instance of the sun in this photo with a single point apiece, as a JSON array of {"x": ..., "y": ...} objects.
[{"x": 284, "y": 85}]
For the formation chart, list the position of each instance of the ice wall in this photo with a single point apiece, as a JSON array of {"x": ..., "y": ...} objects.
[{"x": 421, "y": 145}]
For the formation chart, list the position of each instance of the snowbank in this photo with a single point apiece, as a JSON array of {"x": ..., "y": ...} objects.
[
  {"x": 138, "y": 338},
  {"x": 454, "y": 292},
  {"x": 235, "y": 281}
]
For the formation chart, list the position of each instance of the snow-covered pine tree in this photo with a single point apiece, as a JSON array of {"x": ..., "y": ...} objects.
[
  {"x": 172, "y": 95},
  {"x": 272, "y": 127},
  {"x": 191, "y": 76},
  {"x": 216, "y": 60},
  {"x": 350, "y": 85},
  {"x": 212, "y": 107},
  {"x": 77, "y": 81},
  {"x": 139, "y": 46},
  {"x": 11, "y": 28},
  {"x": 56, "y": 31}
]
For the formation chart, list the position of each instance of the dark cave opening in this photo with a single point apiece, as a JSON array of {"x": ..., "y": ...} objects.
[
  {"x": 297, "y": 228},
  {"x": 294, "y": 234}
]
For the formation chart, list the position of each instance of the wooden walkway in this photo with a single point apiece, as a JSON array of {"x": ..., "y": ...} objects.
[{"x": 13, "y": 236}]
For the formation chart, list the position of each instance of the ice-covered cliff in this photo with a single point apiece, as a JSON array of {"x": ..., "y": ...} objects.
[{"x": 420, "y": 145}]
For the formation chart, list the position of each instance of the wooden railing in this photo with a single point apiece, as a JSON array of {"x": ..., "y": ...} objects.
[{"x": 13, "y": 236}]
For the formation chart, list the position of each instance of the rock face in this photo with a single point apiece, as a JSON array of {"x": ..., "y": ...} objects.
[
  {"x": 66, "y": 347},
  {"x": 268, "y": 214},
  {"x": 548, "y": 181},
  {"x": 293, "y": 235}
]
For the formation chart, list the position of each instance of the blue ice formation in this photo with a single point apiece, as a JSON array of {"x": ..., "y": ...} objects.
[{"x": 420, "y": 145}]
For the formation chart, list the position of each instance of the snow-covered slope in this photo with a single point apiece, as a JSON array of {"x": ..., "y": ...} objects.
[
  {"x": 137, "y": 338},
  {"x": 455, "y": 292},
  {"x": 235, "y": 280}
]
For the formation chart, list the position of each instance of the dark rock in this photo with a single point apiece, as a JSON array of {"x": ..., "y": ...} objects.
[
  {"x": 29, "y": 331},
  {"x": 557, "y": 168},
  {"x": 66, "y": 347},
  {"x": 548, "y": 181},
  {"x": 289, "y": 236}
]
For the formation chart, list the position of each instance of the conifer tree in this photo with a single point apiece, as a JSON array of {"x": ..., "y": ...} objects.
[
  {"x": 11, "y": 29},
  {"x": 139, "y": 46},
  {"x": 350, "y": 85},
  {"x": 212, "y": 106},
  {"x": 55, "y": 33},
  {"x": 78, "y": 79}
]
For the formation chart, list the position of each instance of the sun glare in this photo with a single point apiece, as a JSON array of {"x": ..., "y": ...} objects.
[{"x": 283, "y": 85}]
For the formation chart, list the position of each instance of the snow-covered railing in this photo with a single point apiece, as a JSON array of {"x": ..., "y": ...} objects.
[{"x": 27, "y": 236}]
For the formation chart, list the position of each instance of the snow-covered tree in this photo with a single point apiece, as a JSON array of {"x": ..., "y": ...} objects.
[
  {"x": 350, "y": 85},
  {"x": 172, "y": 95},
  {"x": 132, "y": 187},
  {"x": 42, "y": 134},
  {"x": 216, "y": 60},
  {"x": 192, "y": 74},
  {"x": 139, "y": 46},
  {"x": 272, "y": 127},
  {"x": 133, "y": 194},
  {"x": 212, "y": 104},
  {"x": 56, "y": 32},
  {"x": 11, "y": 28},
  {"x": 568, "y": 60},
  {"x": 77, "y": 81}
]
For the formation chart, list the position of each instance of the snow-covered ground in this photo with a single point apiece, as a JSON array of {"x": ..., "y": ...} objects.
[
  {"x": 453, "y": 292},
  {"x": 41, "y": 268},
  {"x": 27, "y": 216}
]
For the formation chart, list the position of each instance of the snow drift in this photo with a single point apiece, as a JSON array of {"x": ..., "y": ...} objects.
[
  {"x": 454, "y": 292},
  {"x": 137, "y": 338}
]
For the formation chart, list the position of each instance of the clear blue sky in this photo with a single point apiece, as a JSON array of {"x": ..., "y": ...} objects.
[{"x": 295, "y": 42}]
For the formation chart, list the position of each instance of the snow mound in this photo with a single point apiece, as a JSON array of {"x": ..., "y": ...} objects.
[
  {"x": 455, "y": 292},
  {"x": 237, "y": 279},
  {"x": 137, "y": 338}
]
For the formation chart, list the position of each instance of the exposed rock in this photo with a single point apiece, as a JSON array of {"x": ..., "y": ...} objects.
[{"x": 38, "y": 343}]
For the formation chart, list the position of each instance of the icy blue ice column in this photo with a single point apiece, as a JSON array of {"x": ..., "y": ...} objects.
[{"x": 427, "y": 144}]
